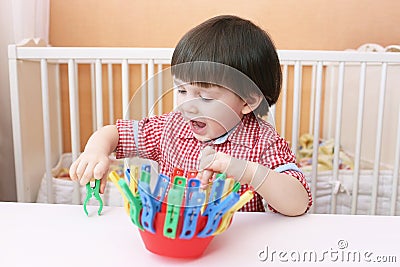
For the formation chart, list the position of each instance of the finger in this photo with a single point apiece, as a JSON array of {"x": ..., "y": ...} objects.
[
  {"x": 88, "y": 174},
  {"x": 80, "y": 170},
  {"x": 103, "y": 183},
  {"x": 97, "y": 173},
  {"x": 72, "y": 170},
  {"x": 207, "y": 151},
  {"x": 207, "y": 161},
  {"x": 206, "y": 176},
  {"x": 100, "y": 170}
]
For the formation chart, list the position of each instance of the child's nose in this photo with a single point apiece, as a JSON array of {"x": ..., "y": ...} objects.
[{"x": 190, "y": 106}]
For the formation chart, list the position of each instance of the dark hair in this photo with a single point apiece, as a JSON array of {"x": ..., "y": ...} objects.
[{"x": 238, "y": 43}]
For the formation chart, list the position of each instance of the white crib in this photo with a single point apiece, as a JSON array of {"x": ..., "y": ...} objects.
[{"x": 350, "y": 96}]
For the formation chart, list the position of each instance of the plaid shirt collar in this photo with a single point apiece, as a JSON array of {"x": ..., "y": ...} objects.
[{"x": 245, "y": 133}]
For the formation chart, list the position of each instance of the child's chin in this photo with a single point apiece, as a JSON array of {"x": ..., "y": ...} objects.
[{"x": 201, "y": 138}]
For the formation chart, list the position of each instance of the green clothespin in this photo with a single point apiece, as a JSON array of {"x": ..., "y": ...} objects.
[
  {"x": 236, "y": 187},
  {"x": 145, "y": 177},
  {"x": 220, "y": 176},
  {"x": 175, "y": 197},
  {"x": 134, "y": 202},
  {"x": 90, "y": 192}
]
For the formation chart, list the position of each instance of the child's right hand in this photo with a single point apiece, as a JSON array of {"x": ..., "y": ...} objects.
[
  {"x": 90, "y": 165},
  {"x": 94, "y": 161}
]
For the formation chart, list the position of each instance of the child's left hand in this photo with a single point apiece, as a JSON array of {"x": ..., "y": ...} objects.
[{"x": 212, "y": 161}]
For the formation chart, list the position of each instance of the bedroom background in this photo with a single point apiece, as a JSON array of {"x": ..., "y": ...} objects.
[{"x": 311, "y": 24}]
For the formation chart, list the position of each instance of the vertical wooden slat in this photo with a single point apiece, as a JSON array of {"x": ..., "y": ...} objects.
[
  {"x": 150, "y": 88},
  {"x": 358, "y": 138},
  {"x": 331, "y": 92},
  {"x": 159, "y": 89},
  {"x": 21, "y": 184},
  {"x": 46, "y": 128},
  {"x": 339, "y": 106},
  {"x": 110, "y": 93},
  {"x": 99, "y": 94},
  {"x": 317, "y": 119},
  {"x": 125, "y": 88},
  {"x": 395, "y": 182},
  {"x": 312, "y": 98},
  {"x": 58, "y": 107},
  {"x": 93, "y": 95},
  {"x": 378, "y": 140},
  {"x": 74, "y": 121},
  {"x": 296, "y": 105},
  {"x": 143, "y": 91},
  {"x": 284, "y": 99}
]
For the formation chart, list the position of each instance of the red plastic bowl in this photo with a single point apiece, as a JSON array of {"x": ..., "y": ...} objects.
[{"x": 176, "y": 248}]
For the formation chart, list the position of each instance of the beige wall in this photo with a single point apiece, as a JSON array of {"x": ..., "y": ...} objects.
[{"x": 292, "y": 24}]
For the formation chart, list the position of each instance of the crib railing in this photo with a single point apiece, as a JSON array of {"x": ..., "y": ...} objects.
[{"x": 325, "y": 71}]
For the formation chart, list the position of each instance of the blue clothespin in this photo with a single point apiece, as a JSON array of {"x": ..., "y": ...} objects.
[
  {"x": 146, "y": 168},
  {"x": 160, "y": 190},
  {"x": 194, "y": 202},
  {"x": 175, "y": 197},
  {"x": 216, "y": 213},
  {"x": 215, "y": 195},
  {"x": 148, "y": 211},
  {"x": 128, "y": 175}
]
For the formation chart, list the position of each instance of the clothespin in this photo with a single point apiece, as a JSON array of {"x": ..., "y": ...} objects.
[
  {"x": 114, "y": 177},
  {"x": 146, "y": 168},
  {"x": 245, "y": 197},
  {"x": 175, "y": 196},
  {"x": 160, "y": 191},
  {"x": 90, "y": 192},
  {"x": 194, "y": 201},
  {"x": 145, "y": 176},
  {"x": 134, "y": 203},
  {"x": 228, "y": 186},
  {"x": 176, "y": 172},
  {"x": 236, "y": 187},
  {"x": 220, "y": 176},
  {"x": 216, "y": 213},
  {"x": 134, "y": 178},
  {"x": 215, "y": 195},
  {"x": 192, "y": 174},
  {"x": 148, "y": 212}
]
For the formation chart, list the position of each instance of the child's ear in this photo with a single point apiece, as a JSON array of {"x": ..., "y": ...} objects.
[{"x": 251, "y": 104}]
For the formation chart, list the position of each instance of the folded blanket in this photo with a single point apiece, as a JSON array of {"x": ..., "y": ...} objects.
[{"x": 325, "y": 154}]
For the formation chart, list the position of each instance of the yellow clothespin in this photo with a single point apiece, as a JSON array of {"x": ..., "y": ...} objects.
[
  {"x": 206, "y": 192},
  {"x": 226, "y": 219},
  {"x": 133, "y": 181},
  {"x": 114, "y": 177},
  {"x": 229, "y": 182}
]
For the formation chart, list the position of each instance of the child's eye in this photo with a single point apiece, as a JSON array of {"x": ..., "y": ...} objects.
[
  {"x": 180, "y": 91},
  {"x": 205, "y": 99}
]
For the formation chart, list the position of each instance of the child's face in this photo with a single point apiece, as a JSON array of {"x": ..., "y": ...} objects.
[{"x": 211, "y": 112}]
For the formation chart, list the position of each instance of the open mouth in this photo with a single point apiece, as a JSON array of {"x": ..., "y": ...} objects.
[
  {"x": 198, "y": 127},
  {"x": 197, "y": 124}
]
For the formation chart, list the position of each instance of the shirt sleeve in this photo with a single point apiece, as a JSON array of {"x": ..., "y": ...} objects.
[
  {"x": 140, "y": 138},
  {"x": 280, "y": 157},
  {"x": 126, "y": 139}
]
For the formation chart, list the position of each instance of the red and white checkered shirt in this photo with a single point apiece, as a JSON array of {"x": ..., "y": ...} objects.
[{"x": 168, "y": 140}]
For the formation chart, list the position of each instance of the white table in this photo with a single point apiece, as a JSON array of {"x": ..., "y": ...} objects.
[{"x": 62, "y": 235}]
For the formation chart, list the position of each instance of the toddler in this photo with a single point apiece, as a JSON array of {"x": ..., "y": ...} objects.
[{"x": 227, "y": 73}]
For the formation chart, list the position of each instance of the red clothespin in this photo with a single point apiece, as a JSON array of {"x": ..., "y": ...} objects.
[
  {"x": 191, "y": 174},
  {"x": 176, "y": 172}
]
